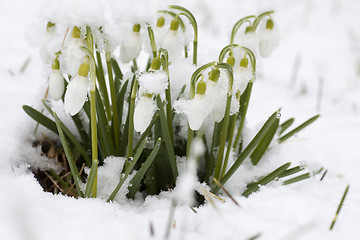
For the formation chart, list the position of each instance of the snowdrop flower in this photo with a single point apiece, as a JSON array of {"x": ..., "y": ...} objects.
[
  {"x": 76, "y": 92},
  {"x": 218, "y": 99},
  {"x": 199, "y": 108},
  {"x": 269, "y": 38},
  {"x": 242, "y": 75},
  {"x": 56, "y": 81},
  {"x": 173, "y": 41},
  {"x": 249, "y": 39},
  {"x": 74, "y": 55},
  {"x": 49, "y": 35},
  {"x": 131, "y": 47},
  {"x": 151, "y": 83},
  {"x": 160, "y": 32},
  {"x": 144, "y": 112}
]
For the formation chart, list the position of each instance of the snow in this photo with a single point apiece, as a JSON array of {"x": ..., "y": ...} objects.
[{"x": 324, "y": 34}]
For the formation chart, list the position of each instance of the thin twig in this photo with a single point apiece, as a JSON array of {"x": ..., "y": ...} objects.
[
  {"x": 225, "y": 191},
  {"x": 322, "y": 177},
  {"x": 256, "y": 236},
  {"x": 151, "y": 227},
  {"x": 54, "y": 182},
  {"x": 339, "y": 207}
]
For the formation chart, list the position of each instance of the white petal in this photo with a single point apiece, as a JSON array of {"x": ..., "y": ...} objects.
[
  {"x": 56, "y": 85},
  {"x": 160, "y": 34},
  {"x": 144, "y": 112},
  {"x": 200, "y": 108},
  {"x": 217, "y": 96},
  {"x": 76, "y": 94},
  {"x": 173, "y": 43},
  {"x": 249, "y": 40},
  {"x": 74, "y": 56},
  {"x": 269, "y": 40},
  {"x": 131, "y": 48}
]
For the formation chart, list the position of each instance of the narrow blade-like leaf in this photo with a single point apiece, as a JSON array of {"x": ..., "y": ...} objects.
[
  {"x": 74, "y": 171},
  {"x": 298, "y": 129},
  {"x": 135, "y": 182}
]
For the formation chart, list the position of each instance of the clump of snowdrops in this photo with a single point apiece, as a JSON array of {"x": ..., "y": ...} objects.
[{"x": 155, "y": 128}]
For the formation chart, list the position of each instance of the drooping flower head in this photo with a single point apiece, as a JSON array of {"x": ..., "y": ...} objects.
[
  {"x": 131, "y": 47},
  {"x": 160, "y": 32},
  {"x": 74, "y": 55},
  {"x": 76, "y": 92},
  {"x": 152, "y": 83},
  {"x": 174, "y": 41},
  {"x": 268, "y": 38},
  {"x": 56, "y": 81}
]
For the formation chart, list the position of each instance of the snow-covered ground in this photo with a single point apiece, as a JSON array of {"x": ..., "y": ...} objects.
[{"x": 323, "y": 36}]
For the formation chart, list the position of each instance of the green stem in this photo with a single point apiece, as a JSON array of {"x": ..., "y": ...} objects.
[
  {"x": 243, "y": 113},
  {"x": 129, "y": 151},
  {"x": 219, "y": 159},
  {"x": 169, "y": 111},
  {"x": 231, "y": 131},
  {"x": 193, "y": 22},
  {"x": 113, "y": 103},
  {"x": 259, "y": 18},
  {"x": 94, "y": 148},
  {"x": 152, "y": 41},
  {"x": 237, "y": 25}
]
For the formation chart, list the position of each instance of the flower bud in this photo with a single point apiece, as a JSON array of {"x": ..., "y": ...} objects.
[
  {"x": 156, "y": 63},
  {"x": 136, "y": 28},
  {"x": 201, "y": 87},
  {"x": 174, "y": 25},
  {"x": 244, "y": 62},
  {"x": 231, "y": 60},
  {"x": 56, "y": 64},
  {"x": 84, "y": 69},
  {"x": 214, "y": 75},
  {"x": 76, "y": 32},
  {"x": 269, "y": 24},
  {"x": 160, "y": 22},
  {"x": 50, "y": 26}
]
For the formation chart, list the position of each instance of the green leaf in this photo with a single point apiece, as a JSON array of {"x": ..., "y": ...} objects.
[
  {"x": 291, "y": 171},
  {"x": 40, "y": 118},
  {"x": 298, "y": 129},
  {"x": 74, "y": 171},
  {"x": 253, "y": 187},
  {"x": 117, "y": 71},
  {"x": 80, "y": 127},
  {"x": 166, "y": 135},
  {"x": 128, "y": 169},
  {"x": 135, "y": 182},
  {"x": 73, "y": 139},
  {"x": 107, "y": 144},
  {"x": 102, "y": 85},
  {"x": 264, "y": 143},
  {"x": 254, "y": 142},
  {"x": 297, "y": 179},
  {"x": 285, "y": 125},
  {"x": 91, "y": 179}
]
